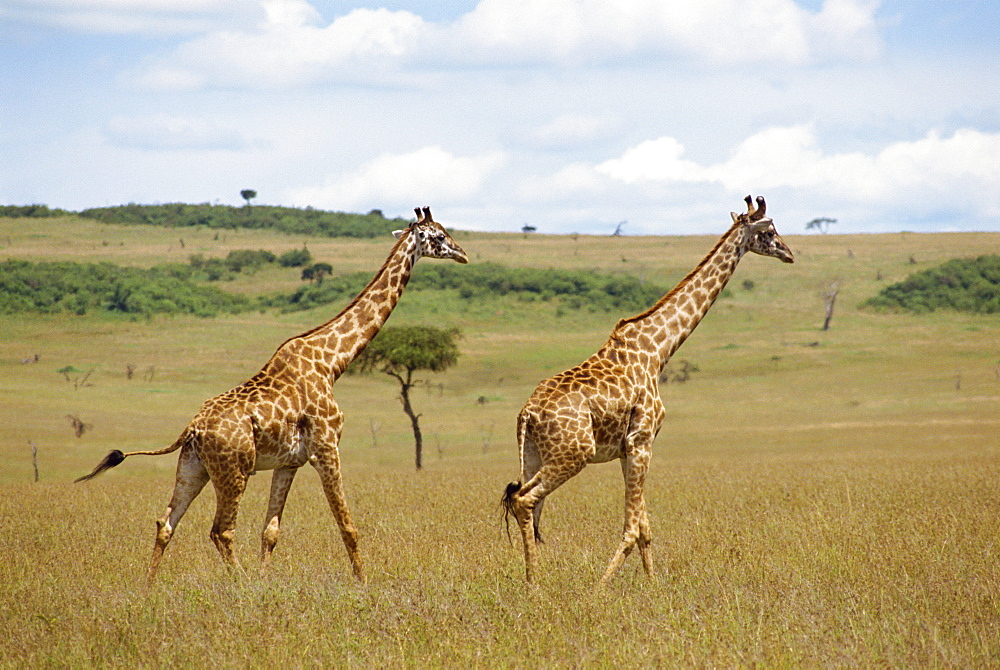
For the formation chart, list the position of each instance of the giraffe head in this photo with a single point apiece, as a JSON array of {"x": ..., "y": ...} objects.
[
  {"x": 431, "y": 238},
  {"x": 759, "y": 234}
]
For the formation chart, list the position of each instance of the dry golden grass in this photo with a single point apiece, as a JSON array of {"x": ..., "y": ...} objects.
[
  {"x": 796, "y": 560},
  {"x": 817, "y": 498}
]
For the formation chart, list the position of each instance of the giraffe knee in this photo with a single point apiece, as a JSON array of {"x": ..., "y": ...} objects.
[
  {"x": 270, "y": 536},
  {"x": 223, "y": 539},
  {"x": 163, "y": 532}
]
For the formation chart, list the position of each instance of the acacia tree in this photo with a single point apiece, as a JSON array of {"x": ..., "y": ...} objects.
[
  {"x": 402, "y": 351},
  {"x": 822, "y": 224},
  {"x": 316, "y": 272},
  {"x": 248, "y": 194}
]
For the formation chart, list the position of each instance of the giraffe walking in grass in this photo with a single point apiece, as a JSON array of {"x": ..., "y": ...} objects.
[
  {"x": 285, "y": 415},
  {"x": 609, "y": 406}
]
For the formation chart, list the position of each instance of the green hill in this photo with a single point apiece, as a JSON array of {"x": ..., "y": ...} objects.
[{"x": 962, "y": 284}]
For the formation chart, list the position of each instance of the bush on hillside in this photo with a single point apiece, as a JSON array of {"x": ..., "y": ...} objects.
[
  {"x": 579, "y": 288},
  {"x": 295, "y": 258},
  {"x": 94, "y": 287},
  {"x": 962, "y": 284}
]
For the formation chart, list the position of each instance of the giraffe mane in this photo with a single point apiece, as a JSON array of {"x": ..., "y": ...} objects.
[
  {"x": 378, "y": 275},
  {"x": 683, "y": 282}
]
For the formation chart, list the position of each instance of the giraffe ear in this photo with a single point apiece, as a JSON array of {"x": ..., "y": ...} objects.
[
  {"x": 397, "y": 234},
  {"x": 757, "y": 226},
  {"x": 736, "y": 217}
]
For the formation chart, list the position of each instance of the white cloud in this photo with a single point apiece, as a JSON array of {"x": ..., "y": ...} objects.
[
  {"x": 398, "y": 182},
  {"x": 931, "y": 174},
  {"x": 569, "y": 182},
  {"x": 725, "y": 31},
  {"x": 653, "y": 160},
  {"x": 290, "y": 46}
]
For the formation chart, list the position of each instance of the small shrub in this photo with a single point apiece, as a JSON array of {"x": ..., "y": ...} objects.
[{"x": 295, "y": 258}]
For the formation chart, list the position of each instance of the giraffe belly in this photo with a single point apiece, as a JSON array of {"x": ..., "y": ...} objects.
[
  {"x": 287, "y": 459},
  {"x": 606, "y": 452},
  {"x": 280, "y": 449}
]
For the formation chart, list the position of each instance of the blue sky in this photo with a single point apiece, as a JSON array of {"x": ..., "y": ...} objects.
[{"x": 568, "y": 115}]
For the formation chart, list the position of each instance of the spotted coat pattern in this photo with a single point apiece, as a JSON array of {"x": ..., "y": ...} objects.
[
  {"x": 285, "y": 415},
  {"x": 608, "y": 407}
]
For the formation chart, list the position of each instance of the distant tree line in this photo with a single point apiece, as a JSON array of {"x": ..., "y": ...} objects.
[
  {"x": 292, "y": 220},
  {"x": 30, "y": 211},
  {"x": 307, "y": 221},
  {"x": 962, "y": 284}
]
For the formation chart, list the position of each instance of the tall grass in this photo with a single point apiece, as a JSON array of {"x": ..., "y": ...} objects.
[
  {"x": 817, "y": 498},
  {"x": 789, "y": 560}
]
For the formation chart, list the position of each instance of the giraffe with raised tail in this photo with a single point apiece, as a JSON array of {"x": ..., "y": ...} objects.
[
  {"x": 609, "y": 406},
  {"x": 285, "y": 416}
]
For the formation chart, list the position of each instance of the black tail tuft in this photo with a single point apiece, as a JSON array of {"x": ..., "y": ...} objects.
[
  {"x": 507, "y": 502},
  {"x": 111, "y": 460}
]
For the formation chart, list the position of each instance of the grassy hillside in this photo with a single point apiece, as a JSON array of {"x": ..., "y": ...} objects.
[{"x": 817, "y": 497}]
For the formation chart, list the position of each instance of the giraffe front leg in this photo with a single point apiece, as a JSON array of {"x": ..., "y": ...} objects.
[
  {"x": 637, "y": 531},
  {"x": 281, "y": 484},
  {"x": 227, "y": 507},
  {"x": 323, "y": 436},
  {"x": 645, "y": 540},
  {"x": 327, "y": 464}
]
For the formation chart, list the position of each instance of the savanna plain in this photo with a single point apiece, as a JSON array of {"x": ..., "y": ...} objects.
[{"x": 817, "y": 498}]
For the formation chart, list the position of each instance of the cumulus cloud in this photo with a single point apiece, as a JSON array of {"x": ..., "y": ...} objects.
[
  {"x": 289, "y": 45},
  {"x": 718, "y": 30},
  {"x": 398, "y": 182},
  {"x": 934, "y": 172},
  {"x": 653, "y": 160}
]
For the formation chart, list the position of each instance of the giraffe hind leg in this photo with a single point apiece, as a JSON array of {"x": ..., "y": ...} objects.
[
  {"x": 526, "y": 502},
  {"x": 191, "y": 479}
]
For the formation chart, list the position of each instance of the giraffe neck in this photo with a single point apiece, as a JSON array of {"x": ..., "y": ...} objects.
[
  {"x": 333, "y": 345},
  {"x": 655, "y": 335}
]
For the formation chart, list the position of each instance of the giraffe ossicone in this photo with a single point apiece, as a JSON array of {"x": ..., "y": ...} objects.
[
  {"x": 609, "y": 406},
  {"x": 285, "y": 416}
]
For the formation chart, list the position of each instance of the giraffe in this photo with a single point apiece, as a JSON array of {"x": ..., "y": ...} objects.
[
  {"x": 609, "y": 406},
  {"x": 285, "y": 416}
]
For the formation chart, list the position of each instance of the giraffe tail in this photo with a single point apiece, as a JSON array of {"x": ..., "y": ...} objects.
[
  {"x": 507, "y": 502},
  {"x": 116, "y": 456},
  {"x": 111, "y": 460}
]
